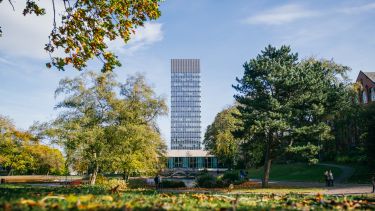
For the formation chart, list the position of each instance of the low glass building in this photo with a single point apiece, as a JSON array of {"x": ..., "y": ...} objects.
[{"x": 193, "y": 159}]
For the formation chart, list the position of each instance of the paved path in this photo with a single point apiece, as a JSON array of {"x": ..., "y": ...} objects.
[
  {"x": 346, "y": 172},
  {"x": 337, "y": 189},
  {"x": 349, "y": 189}
]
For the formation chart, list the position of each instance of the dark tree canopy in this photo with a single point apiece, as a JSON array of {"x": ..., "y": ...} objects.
[
  {"x": 286, "y": 104},
  {"x": 85, "y": 26}
]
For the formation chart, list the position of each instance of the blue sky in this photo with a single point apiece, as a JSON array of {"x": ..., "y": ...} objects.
[{"x": 222, "y": 34}]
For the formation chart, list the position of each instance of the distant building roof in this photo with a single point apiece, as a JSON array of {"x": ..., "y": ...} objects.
[
  {"x": 370, "y": 75},
  {"x": 188, "y": 153}
]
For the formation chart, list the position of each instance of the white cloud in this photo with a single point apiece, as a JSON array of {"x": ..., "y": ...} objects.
[
  {"x": 27, "y": 36},
  {"x": 281, "y": 15},
  {"x": 24, "y": 35},
  {"x": 358, "y": 9},
  {"x": 147, "y": 35}
]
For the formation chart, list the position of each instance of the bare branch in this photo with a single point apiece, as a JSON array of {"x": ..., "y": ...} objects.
[{"x": 10, "y": 2}]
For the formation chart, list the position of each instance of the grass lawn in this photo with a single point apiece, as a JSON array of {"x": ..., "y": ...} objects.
[
  {"x": 362, "y": 174},
  {"x": 295, "y": 172},
  {"x": 20, "y": 197}
]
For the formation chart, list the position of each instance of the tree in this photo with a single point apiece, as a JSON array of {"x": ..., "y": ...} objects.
[
  {"x": 139, "y": 147},
  {"x": 108, "y": 126},
  {"x": 21, "y": 152},
  {"x": 368, "y": 135},
  {"x": 284, "y": 103},
  {"x": 47, "y": 160},
  {"x": 86, "y": 27},
  {"x": 219, "y": 138}
]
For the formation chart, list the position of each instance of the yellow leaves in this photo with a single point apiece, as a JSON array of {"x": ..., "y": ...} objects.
[
  {"x": 85, "y": 198},
  {"x": 89, "y": 23},
  {"x": 107, "y": 198},
  {"x": 200, "y": 197},
  {"x": 28, "y": 202},
  {"x": 319, "y": 197}
]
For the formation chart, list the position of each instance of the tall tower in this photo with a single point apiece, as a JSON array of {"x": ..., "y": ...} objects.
[{"x": 185, "y": 105}]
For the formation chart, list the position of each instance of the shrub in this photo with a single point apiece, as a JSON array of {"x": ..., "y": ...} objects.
[
  {"x": 231, "y": 176},
  {"x": 206, "y": 181},
  {"x": 172, "y": 184},
  {"x": 111, "y": 183}
]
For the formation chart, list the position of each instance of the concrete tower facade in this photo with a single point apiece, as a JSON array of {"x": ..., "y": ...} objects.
[{"x": 185, "y": 104}]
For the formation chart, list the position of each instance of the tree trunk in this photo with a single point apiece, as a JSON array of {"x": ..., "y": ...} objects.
[
  {"x": 10, "y": 172},
  {"x": 125, "y": 176},
  {"x": 94, "y": 174},
  {"x": 266, "y": 167}
]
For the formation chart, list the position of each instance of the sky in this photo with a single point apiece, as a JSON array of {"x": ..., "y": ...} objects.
[{"x": 223, "y": 34}]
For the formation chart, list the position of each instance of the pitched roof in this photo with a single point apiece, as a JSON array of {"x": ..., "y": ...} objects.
[{"x": 370, "y": 75}]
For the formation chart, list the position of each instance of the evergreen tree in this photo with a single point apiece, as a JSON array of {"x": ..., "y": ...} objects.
[{"x": 284, "y": 104}]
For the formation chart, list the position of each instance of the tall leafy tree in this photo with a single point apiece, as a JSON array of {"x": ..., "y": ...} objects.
[
  {"x": 140, "y": 148},
  {"x": 83, "y": 28},
  {"x": 219, "y": 138},
  {"x": 284, "y": 103},
  {"x": 108, "y": 126}
]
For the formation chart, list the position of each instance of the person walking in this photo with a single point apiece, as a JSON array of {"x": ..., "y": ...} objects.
[
  {"x": 326, "y": 178},
  {"x": 373, "y": 183},
  {"x": 157, "y": 181},
  {"x": 330, "y": 178}
]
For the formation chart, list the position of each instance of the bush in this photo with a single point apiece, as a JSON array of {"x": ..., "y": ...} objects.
[
  {"x": 111, "y": 183},
  {"x": 231, "y": 176},
  {"x": 172, "y": 184},
  {"x": 206, "y": 181}
]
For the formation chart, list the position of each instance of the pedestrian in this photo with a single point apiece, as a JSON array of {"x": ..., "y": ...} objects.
[
  {"x": 373, "y": 183},
  {"x": 330, "y": 178},
  {"x": 326, "y": 178},
  {"x": 157, "y": 181},
  {"x": 242, "y": 174}
]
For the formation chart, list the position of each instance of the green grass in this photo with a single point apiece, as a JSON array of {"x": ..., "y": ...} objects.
[
  {"x": 18, "y": 197},
  {"x": 295, "y": 172},
  {"x": 362, "y": 174}
]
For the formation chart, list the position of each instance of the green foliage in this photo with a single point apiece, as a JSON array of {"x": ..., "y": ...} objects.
[
  {"x": 231, "y": 176},
  {"x": 86, "y": 27},
  {"x": 108, "y": 126},
  {"x": 172, "y": 184},
  {"x": 219, "y": 138},
  {"x": 21, "y": 152},
  {"x": 206, "y": 181},
  {"x": 286, "y": 104},
  {"x": 368, "y": 135}
]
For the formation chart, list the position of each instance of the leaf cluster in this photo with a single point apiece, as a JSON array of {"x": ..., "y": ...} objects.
[{"x": 86, "y": 26}]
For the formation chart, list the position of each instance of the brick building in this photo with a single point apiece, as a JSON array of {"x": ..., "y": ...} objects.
[{"x": 367, "y": 81}]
